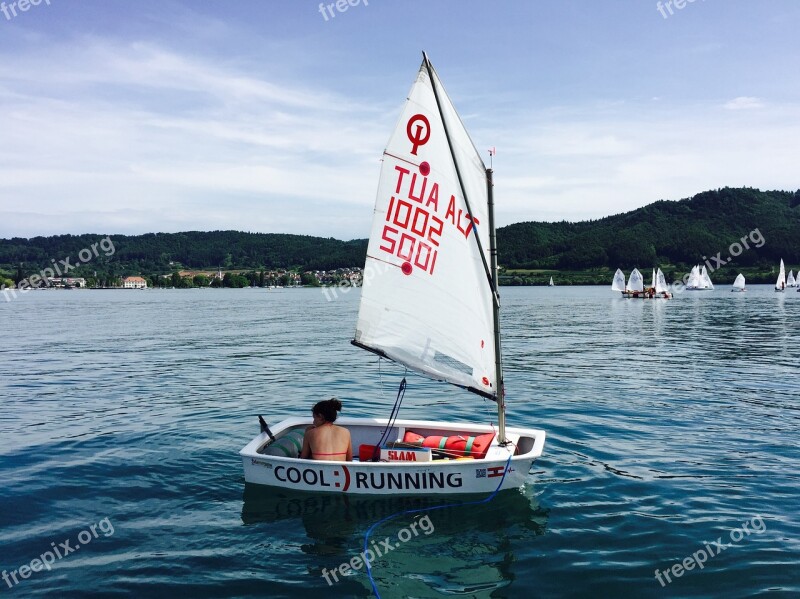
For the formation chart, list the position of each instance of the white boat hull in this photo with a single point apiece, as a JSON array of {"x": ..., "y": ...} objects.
[{"x": 442, "y": 476}]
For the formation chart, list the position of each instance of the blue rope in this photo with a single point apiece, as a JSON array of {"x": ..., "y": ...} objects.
[{"x": 425, "y": 509}]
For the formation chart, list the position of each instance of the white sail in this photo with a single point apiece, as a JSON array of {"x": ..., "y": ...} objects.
[
  {"x": 781, "y": 282},
  {"x": 739, "y": 282},
  {"x": 551, "y": 282},
  {"x": 790, "y": 282},
  {"x": 427, "y": 301},
  {"x": 618, "y": 284},
  {"x": 694, "y": 278},
  {"x": 635, "y": 281},
  {"x": 705, "y": 280},
  {"x": 653, "y": 283},
  {"x": 661, "y": 283}
]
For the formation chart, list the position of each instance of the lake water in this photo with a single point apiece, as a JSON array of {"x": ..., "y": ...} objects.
[{"x": 671, "y": 425}]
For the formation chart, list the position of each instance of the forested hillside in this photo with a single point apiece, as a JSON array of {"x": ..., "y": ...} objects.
[{"x": 665, "y": 232}]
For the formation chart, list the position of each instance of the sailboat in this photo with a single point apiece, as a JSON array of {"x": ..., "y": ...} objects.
[
  {"x": 738, "y": 283},
  {"x": 780, "y": 284},
  {"x": 432, "y": 258},
  {"x": 790, "y": 280},
  {"x": 699, "y": 280},
  {"x": 635, "y": 286},
  {"x": 618, "y": 284},
  {"x": 660, "y": 286},
  {"x": 551, "y": 284}
]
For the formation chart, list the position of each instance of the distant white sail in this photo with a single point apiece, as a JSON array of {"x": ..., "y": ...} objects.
[
  {"x": 790, "y": 282},
  {"x": 739, "y": 282},
  {"x": 426, "y": 301},
  {"x": 636, "y": 281},
  {"x": 694, "y": 277},
  {"x": 551, "y": 282},
  {"x": 653, "y": 283},
  {"x": 705, "y": 280},
  {"x": 661, "y": 282},
  {"x": 781, "y": 282},
  {"x": 618, "y": 284}
]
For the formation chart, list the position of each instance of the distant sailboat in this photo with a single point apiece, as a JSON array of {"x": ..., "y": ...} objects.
[
  {"x": 635, "y": 287},
  {"x": 738, "y": 284},
  {"x": 780, "y": 284},
  {"x": 790, "y": 280},
  {"x": 699, "y": 280},
  {"x": 694, "y": 279},
  {"x": 661, "y": 287},
  {"x": 618, "y": 284},
  {"x": 551, "y": 284}
]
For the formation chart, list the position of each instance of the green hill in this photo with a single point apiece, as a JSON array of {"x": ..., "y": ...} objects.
[
  {"x": 160, "y": 253},
  {"x": 671, "y": 234}
]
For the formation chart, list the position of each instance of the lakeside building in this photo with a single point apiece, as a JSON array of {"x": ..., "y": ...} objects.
[
  {"x": 78, "y": 282},
  {"x": 134, "y": 283}
]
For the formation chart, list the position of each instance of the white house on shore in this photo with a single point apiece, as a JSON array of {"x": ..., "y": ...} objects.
[{"x": 134, "y": 283}]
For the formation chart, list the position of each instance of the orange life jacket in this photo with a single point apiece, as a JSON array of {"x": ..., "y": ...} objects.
[{"x": 454, "y": 446}]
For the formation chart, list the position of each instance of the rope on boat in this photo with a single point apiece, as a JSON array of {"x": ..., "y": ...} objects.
[
  {"x": 401, "y": 392},
  {"x": 425, "y": 509}
]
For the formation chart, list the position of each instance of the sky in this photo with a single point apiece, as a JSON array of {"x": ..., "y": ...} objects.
[{"x": 122, "y": 117}]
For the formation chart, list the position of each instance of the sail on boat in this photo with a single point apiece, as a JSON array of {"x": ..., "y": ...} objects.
[
  {"x": 433, "y": 263},
  {"x": 635, "y": 286},
  {"x": 661, "y": 287},
  {"x": 694, "y": 279},
  {"x": 738, "y": 283},
  {"x": 790, "y": 280},
  {"x": 699, "y": 280},
  {"x": 551, "y": 284},
  {"x": 780, "y": 284},
  {"x": 618, "y": 284}
]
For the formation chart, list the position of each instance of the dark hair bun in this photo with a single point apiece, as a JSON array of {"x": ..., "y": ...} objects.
[{"x": 328, "y": 408}]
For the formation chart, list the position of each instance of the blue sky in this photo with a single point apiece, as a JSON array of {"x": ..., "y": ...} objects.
[{"x": 131, "y": 117}]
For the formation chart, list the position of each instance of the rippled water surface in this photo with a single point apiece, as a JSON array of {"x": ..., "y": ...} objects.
[{"x": 671, "y": 425}]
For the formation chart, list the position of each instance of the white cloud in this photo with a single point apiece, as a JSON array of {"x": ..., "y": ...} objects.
[
  {"x": 744, "y": 103},
  {"x": 115, "y": 138}
]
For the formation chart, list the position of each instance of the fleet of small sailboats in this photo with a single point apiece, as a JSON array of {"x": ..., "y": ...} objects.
[
  {"x": 433, "y": 245},
  {"x": 635, "y": 288}
]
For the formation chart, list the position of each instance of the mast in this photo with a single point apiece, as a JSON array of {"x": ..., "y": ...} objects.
[{"x": 501, "y": 388}]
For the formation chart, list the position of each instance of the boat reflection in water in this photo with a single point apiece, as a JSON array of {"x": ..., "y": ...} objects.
[{"x": 461, "y": 549}]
